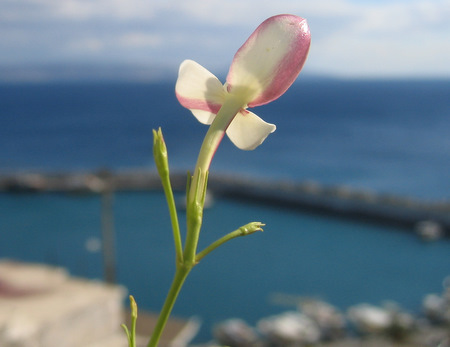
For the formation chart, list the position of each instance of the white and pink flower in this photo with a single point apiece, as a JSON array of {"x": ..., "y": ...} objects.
[{"x": 262, "y": 70}]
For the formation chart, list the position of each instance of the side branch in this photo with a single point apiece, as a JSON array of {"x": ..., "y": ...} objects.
[
  {"x": 162, "y": 164},
  {"x": 247, "y": 229}
]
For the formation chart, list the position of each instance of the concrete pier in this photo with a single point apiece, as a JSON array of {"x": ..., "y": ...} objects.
[
  {"x": 308, "y": 196},
  {"x": 42, "y": 306}
]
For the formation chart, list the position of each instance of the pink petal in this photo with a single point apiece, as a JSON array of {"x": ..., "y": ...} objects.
[
  {"x": 270, "y": 60},
  {"x": 247, "y": 131},
  {"x": 198, "y": 89}
]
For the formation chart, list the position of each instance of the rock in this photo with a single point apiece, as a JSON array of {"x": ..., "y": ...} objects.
[
  {"x": 369, "y": 319},
  {"x": 235, "y": 333},
  {"x": 330, "y": 321},
  {"x": 290, "y": 328}
]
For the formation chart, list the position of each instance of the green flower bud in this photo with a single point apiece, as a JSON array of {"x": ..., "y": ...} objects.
[{"x": 160, "y": 153}]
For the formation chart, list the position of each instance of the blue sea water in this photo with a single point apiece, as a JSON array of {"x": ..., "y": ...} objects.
[
  {"x": 384, "y": 136},
  {"x": 388, "y": 136}
]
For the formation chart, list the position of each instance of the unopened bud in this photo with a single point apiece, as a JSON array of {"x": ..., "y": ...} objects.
[{"x": 160, "y": 153}]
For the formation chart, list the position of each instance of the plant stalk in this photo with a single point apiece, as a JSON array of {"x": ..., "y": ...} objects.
[{"x": 178, "y": 281}]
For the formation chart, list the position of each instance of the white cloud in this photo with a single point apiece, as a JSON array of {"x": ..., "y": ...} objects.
[
  {"x": 112, "y": 9},
  {"x": 140, "y": 40},
  {"x": 350, "y": 38},
  {"x": 401, "y": 17},
  {"x": 394, "y": 39},
  {"x": 79, "y": 10},
  {"x": 86, "y": 45}
]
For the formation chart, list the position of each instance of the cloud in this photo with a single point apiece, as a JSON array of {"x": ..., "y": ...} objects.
[
  {"x": 78, "y": 10},
  {"x": 90, "y": 45},
  {"x": 140, "y": 40},
  {"x": 350, "y": 38},
  {"x": 394, "y": 39}
]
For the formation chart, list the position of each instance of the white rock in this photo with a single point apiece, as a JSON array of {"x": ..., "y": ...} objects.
[
  {"x": 369, "y": 319},
  {"x": 290, "y": 327}
]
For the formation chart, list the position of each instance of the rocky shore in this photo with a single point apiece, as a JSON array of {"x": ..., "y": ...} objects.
[
  {"x": 317, "y": 323},
  {"x": 42, "y": 305}
]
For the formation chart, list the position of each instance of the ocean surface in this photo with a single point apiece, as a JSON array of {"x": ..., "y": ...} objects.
[{"x": 382, "y": 136}]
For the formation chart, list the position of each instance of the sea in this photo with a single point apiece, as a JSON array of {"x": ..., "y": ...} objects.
[{"x": 382, "y": 136}]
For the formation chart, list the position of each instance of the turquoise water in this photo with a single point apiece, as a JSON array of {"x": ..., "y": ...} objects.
[{"x": 341, "y": 261}]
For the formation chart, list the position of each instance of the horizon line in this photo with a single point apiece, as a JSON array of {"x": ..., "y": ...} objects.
[{"x": 152, "y": 73}]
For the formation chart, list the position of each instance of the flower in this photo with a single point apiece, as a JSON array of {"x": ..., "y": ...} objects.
[{"x": 262, "y": 70}]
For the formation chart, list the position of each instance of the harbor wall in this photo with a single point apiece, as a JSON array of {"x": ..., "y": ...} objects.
[{"x": 307, "y": 196}]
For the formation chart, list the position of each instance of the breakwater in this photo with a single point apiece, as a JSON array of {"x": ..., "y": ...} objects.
[{"x": 307, "y": 196}]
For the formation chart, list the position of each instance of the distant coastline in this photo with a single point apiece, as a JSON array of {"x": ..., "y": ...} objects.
[{"x": 141, "y": 73}]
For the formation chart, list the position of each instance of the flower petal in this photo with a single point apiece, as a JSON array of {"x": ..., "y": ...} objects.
[
  {"x": 247, "y": 131},
  {"x": 204, "y": 117},
  {"x": 270, "y": 60},
  {"x": 198, "y": 89}
]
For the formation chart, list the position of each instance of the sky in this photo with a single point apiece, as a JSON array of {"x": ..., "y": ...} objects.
[{"x": 350, "y": 38}]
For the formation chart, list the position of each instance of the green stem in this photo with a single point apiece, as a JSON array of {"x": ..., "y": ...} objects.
[
  {"x": 180, "y": 276},
  {"x": 165, "y": 179},
  {"x": 134, "y": 314},
  {"x": 247, "y": 229},
  {"x": 162, "y": 164},
  {"x": 195, "y": 203},
  {"x": 197, "y": 188},
  {"x": 194, "y": 217},
  {"x": 214, "y": 135}
]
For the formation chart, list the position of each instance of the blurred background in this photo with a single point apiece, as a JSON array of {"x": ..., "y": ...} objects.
[
  {"x": 147, "y": 39},
  {"x": 83, "y": 83}
]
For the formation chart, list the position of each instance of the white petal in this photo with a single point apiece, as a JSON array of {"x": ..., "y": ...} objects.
[
  {"x": 270, "y": 60},
  {"x": 204, "y": 117},
  {"x": 247, "y": 131},
  {"x": 198, "y": 89}
]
